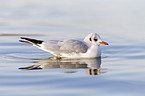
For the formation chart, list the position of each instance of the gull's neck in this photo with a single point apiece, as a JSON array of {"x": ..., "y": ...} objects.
[
  {"x": 94, "y": 51},
  {"x": 87, "y": 42}
]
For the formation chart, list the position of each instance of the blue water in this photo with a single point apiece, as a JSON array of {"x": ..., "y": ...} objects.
[{"x": 120, "y": 71}]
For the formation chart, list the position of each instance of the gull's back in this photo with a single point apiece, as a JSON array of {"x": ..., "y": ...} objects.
[{"x": 67, "y": 46}]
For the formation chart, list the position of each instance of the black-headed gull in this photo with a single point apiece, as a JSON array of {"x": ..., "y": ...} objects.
[{"x": 70, "y": 48}]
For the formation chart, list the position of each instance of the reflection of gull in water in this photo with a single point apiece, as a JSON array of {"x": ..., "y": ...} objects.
[
  {"x": 70, "y": 48},
  {"x": 92, "y": 66}
]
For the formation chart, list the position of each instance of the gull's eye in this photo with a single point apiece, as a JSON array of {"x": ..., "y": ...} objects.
[
  {"x": 95, "y": 40},
  {"x": 90, "y": 39}
]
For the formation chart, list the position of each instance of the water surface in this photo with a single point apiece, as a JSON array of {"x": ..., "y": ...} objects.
[{"x": 120, "y": 71}]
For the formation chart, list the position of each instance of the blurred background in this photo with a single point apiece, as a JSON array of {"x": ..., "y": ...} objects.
[
  {"x": 120, "y": 71},
  {"x": 110, "y": 18}
]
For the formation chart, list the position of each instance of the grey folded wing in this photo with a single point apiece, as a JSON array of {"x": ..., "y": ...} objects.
[{"x": 66, "y": 46}]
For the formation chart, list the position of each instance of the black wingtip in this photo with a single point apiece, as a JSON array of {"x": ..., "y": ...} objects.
[
  {"x": 22, "y": 37},
  {"x": 25, "y": 41},
  {"x": 31, "y": 40}
]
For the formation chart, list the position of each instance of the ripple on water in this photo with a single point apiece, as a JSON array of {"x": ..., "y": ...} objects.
[{"x": 121, "y": 70}]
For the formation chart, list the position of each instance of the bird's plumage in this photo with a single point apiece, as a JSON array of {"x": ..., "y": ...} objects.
[{"x": 71, "y": 48}]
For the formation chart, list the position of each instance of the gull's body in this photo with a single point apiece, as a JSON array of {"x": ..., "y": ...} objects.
[{"x": 71, "y": 48}]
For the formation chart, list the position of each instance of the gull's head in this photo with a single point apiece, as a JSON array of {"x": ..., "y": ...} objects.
[{"x": 94, "y": 38}]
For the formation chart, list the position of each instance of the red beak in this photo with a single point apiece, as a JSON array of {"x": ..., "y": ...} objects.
[{"x": 105, "y": 43}]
